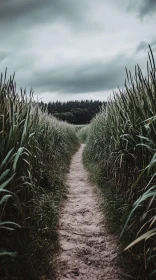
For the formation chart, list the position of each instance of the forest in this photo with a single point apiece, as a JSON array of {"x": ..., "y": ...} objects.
[{"x": 74, "y": 112}]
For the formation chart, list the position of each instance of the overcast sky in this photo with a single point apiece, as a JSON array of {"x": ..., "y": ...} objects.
[{"x": 70, "y": 49}]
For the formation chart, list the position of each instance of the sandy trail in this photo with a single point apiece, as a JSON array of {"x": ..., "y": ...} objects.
[{"x": 87, "y": 250}]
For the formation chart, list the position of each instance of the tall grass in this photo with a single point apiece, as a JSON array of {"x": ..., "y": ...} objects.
[
  {"x": 121, "y": 154},
  {"x": 35, "y": 151},
  {"x": 83, "y": 133}
]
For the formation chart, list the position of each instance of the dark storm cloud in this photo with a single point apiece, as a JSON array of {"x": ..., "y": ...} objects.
[
  {"x": 143, "y": 7},
  {"x": 95, "y": 76},
  {"x": 147, "y": 7},
  {"x": 144, "y": 46},
  {"x": 49, "y": 43},
  {"x": 18, "y": 17},
  {"x": 38, "y": 11}
]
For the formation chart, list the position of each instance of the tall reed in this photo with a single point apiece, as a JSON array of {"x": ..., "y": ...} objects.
[
  {"x": 35, "y": 151},
  {"x": 121, "y": 148}
]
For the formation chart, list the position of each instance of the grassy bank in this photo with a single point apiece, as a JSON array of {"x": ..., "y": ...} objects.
[
  {"x": 121, "y": 154},
  {"x": 35, "y": 152}
]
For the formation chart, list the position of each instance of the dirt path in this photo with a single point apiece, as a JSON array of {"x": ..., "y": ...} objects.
[{"x": 87, "y": 249}]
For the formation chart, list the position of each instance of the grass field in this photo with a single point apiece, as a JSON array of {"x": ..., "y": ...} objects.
[
  {"x": 82, "y": 133},
  {"x": 120, "y": 153},
  {"x": 35, "y": 152}
]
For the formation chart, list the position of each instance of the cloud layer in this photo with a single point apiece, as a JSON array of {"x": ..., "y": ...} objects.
[{"x": 68, "y": 48}]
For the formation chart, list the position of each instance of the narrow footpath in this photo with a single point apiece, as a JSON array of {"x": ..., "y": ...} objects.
[{"x": 87, "y": 249}]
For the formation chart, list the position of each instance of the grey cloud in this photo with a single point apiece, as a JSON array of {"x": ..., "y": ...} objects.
[
  {"x": 22, "y": 50},
  {"x": 37, "y": 11},
  {"x": 92, "y": 77},
  {"x": 143, "y": 46},
  {"x": 142, "y": 7},
  {"x": 3, "y": 55},
  {"x": 147, "y": 7}
]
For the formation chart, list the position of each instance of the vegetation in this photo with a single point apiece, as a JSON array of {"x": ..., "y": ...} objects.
[
  {"x": 83, "y": 133},
  {"x": 35, "y": 151},
  {"x": 121, "y": 155},
  {"x": 75, "y": 112}
]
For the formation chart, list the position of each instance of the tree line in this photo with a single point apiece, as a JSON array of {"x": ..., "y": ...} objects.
[{"x": 74, "y": 112}]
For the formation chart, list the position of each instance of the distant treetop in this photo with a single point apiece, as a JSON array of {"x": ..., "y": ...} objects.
[{"x": 75, "y": 112}]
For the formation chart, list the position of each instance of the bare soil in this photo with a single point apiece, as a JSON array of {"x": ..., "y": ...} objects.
[{"x": 87, "y": 249}]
